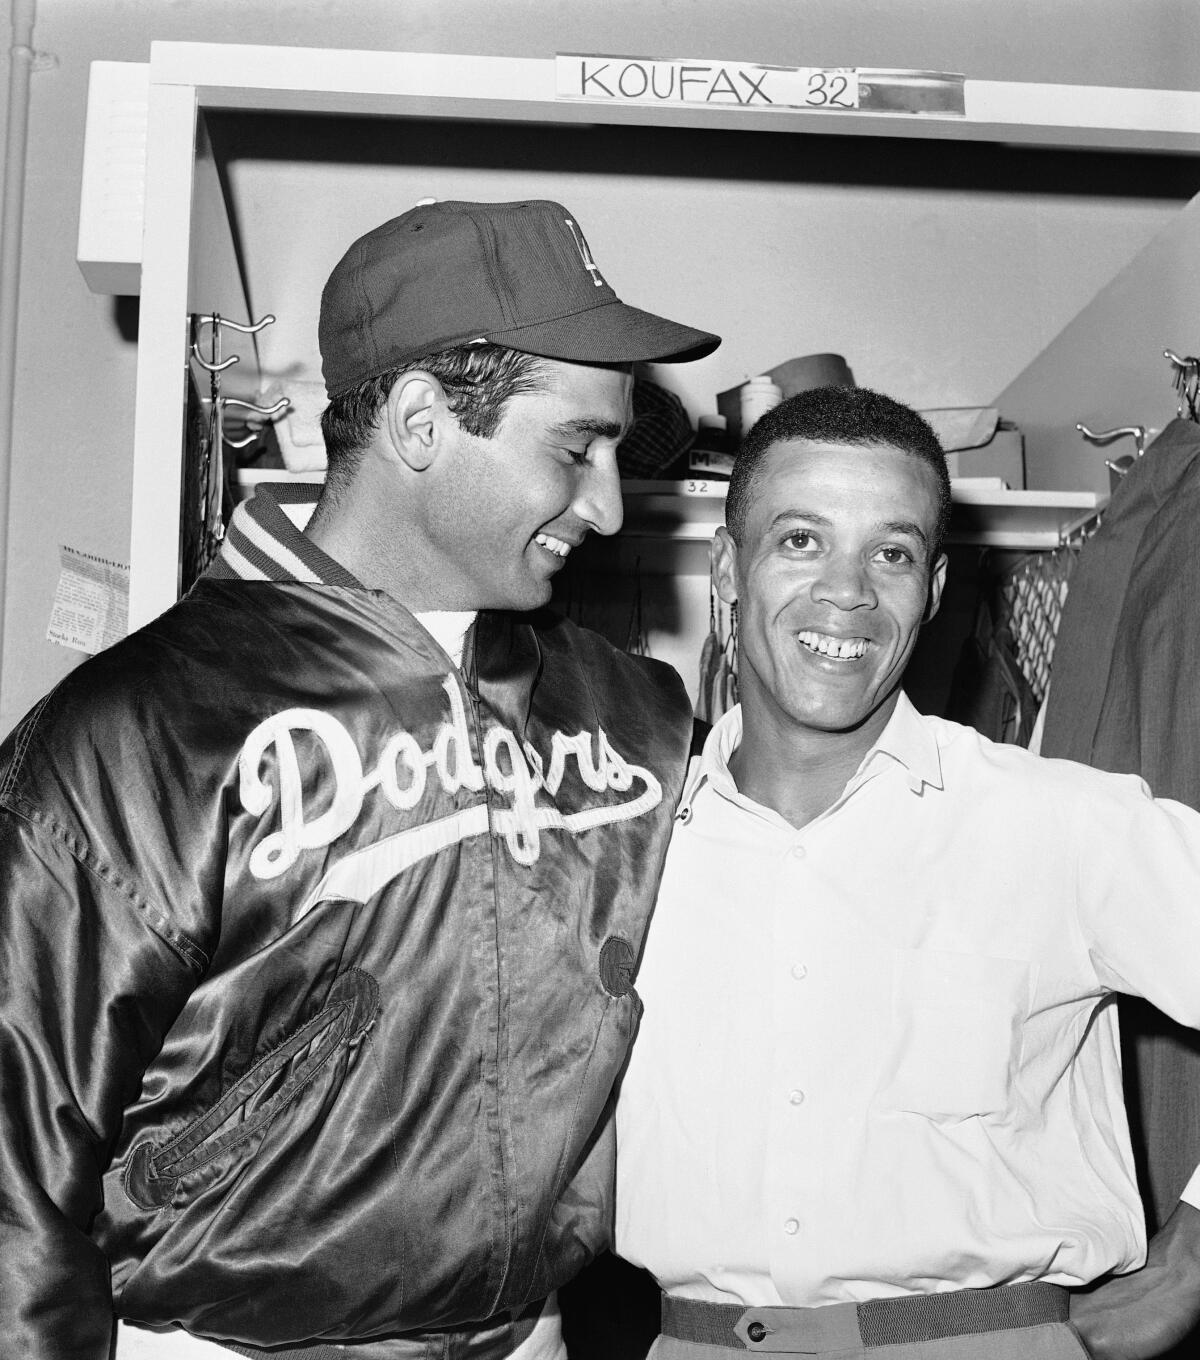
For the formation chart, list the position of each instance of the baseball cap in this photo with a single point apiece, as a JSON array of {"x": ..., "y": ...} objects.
[{"x": 453, "y": 273}]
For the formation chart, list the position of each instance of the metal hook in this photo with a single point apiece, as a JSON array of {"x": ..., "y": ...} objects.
[
  {"x": 1136, "y": 432},
  {"x": 216, "y": 321},
  {"x": 276, "y": 409},
  {"x": 281, "y": 405},
  {"x": 1187, "y": 382},
  {"x": 213, "y": 364},
  {"x": 1117, "y": 467},
  {"x": 213, "y": 368}
]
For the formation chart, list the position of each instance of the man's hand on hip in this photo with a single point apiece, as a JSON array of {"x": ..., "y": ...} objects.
[{"x": 1133, "y": 1317}]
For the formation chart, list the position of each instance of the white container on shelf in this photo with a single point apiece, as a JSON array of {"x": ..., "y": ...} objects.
[{"x": 759, "y": 395}]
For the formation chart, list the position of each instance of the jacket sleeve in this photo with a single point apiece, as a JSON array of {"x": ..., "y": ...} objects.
[{"x": 88, "y": 988}]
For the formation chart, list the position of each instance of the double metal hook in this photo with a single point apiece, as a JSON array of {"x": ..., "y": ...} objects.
[
  {"x": 212, "y": 469},
  {"x": 277, "y": 408},
  {"x": 215, "y": 365},
  {"x": 1187, "y": 383},
  {"x": 1118, "y": 466}
]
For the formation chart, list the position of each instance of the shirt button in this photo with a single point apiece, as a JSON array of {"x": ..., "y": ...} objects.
[
  {"x": 756, "y": 1331},
  {"x": 684, "y": 814},
  {"x": 792, "y": 1227},
  {"x": 796, "y": 1097},
  {"x": 798, "y": 852},
  {"x": 799, "y": 971}
]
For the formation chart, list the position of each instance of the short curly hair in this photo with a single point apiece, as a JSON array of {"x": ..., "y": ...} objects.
[{"x": 837, "y": 415}]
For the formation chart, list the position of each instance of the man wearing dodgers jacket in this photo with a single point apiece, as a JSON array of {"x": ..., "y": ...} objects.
[{"x": 320, "y": 896}]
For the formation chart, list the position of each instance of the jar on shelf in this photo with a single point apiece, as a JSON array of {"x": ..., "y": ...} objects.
[{"x": 758, "y": 396}]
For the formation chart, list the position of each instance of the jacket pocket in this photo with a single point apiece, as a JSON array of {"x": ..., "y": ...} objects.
[
  {"x": 274, "y": 1082},
  {"x": 955, "y": 1027}
]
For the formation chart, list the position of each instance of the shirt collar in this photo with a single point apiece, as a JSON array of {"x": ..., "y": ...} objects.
[{"x": 907, "y": 739}]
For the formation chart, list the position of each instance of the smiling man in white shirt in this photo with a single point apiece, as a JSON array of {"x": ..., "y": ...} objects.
[{"x": 875, "y": 1102}]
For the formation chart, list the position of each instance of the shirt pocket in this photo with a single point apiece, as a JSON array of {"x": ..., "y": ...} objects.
[{"x": 954, "y": 1034}]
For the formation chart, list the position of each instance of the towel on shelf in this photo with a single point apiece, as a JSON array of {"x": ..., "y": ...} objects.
[{"x": 298, "y": 429}]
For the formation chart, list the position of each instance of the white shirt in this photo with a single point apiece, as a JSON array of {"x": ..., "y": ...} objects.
[
  {"x": 876, "y": 1056},
  {"x": 545, "y": 1342},
  {"x": 449, "y": 629}
]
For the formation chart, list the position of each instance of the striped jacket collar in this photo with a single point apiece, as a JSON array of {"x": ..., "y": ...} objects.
[{"x": 265, "y": 540}]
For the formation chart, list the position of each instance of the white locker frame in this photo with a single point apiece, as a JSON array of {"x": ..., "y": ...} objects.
[{"x": 186, "y": 78}]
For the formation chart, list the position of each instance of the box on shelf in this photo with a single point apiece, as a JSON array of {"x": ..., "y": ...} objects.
[{"x": 979, "y": 444}]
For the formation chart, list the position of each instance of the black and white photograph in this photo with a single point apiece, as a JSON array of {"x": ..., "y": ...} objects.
[{"x": 599, "y": 679}]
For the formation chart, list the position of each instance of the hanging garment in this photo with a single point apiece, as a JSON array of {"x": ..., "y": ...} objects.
[
  {"x": 990, "y": 692},
  {"x": 717, "y": 688},
  {"x": 1123, "y": 698},
  {"x": 1031, "y": 599},
  {"x": 709, "y": 660}
]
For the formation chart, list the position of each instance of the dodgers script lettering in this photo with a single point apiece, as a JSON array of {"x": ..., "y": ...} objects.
[{"x": 510, "y": 768}]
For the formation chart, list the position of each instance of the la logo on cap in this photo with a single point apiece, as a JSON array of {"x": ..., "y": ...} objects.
[{"x": 585, "y": 253}]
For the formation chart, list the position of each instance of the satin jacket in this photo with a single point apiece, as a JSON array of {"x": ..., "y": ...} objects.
[{"x": 318, "y": 964}]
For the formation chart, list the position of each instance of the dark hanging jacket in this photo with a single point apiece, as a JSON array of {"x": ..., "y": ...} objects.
[{"x": 1125, "y": 696}]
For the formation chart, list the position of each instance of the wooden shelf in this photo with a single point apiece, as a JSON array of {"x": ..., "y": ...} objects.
[
  {"x": 690, "y": 513},
  {"x": 1020, "y": 519}
]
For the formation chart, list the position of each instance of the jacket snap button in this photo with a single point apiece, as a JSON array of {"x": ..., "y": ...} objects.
[{"x": 756, "y": 1331}]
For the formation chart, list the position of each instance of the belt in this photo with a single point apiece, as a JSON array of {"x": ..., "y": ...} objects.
[{"x": 879, "y": 1322}]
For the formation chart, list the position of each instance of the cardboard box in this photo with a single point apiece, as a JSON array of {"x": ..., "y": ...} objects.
[{"x": 979, "y": 444}]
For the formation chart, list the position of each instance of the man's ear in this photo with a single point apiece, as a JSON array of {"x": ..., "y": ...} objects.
[
  {"x": 415, "y": 409},
  {"x": 724, "y": 566},
  {"x": 937, "y": 580}
]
